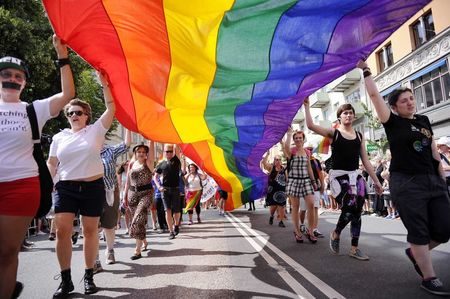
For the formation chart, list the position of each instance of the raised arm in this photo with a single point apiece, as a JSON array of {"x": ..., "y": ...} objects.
[
  {"x": 383, "y": 111},
  {"x": 267, "y": 166},
  {"x": 368, "y": 166},
  {"x": 151, "y": 155},
  {"x": 287, "y": 143},
  {"x": 107, "y": 116},
  {"x": 59, "y": 100},
  {"x": 326, "y": 132},
  {"x": 127, "y": 138}
]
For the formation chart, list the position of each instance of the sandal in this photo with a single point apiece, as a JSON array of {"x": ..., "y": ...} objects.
[
  {"x": 144, "y": 246},
  {"x": 312, "y": 238},
  {"x": 298, "y": 238}
]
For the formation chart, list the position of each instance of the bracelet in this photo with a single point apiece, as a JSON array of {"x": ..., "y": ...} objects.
[
  {"x": 62, "y": 62},
  {"x": 367, "y": 73}
]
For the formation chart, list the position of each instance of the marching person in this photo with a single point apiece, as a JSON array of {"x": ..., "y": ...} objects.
[
  {"x": 347, "y": 185},
  {"x": 139, "y": 194},
  {"x": 417, "y": 179},
  {"x": 108, "y": 219},
  {"x": 19, "y": 180},
  {"x": 170, "y": 169},
  {"x": 76, "y": 154}
]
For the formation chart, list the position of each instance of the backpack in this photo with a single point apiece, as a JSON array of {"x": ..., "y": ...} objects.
[{"x": 45, "y": 179}]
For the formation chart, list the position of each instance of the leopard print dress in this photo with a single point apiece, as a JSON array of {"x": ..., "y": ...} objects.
[{"x": 139, "y": 201}]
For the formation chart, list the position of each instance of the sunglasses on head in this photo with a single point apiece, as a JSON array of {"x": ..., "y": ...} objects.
[
  {"x": 7, "y": 75},
  {"x": 77, "y": 113}
]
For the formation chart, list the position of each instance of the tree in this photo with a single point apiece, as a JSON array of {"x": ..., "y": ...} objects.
[
  {"x": 26, "y": 34},
  {"x": 374, "y": 123}
]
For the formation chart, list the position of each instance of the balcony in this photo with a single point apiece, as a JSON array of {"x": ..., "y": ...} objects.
[
  {"x": 344, "y": 82},
  {"x": 319, "y": 99},
  {"x": 299, "y": 117}
]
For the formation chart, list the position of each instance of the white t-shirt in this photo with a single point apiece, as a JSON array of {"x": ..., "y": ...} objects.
[
  {"x": 16, "y": 154},
  {"x": 79, "y": 153},
  {"x": 193, "y": 183}
]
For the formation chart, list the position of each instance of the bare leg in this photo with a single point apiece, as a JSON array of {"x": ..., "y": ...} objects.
[
  {"x": 64, "y": 227},
  {"x": 12, "y": 233},
  {"x": 90, "y": 232},
  {"x": 295, "y": 216},
  {"x": 169, "y": 219}
]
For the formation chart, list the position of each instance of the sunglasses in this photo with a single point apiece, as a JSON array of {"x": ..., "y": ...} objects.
[
  {"x": 277, "y": 159},
  {"x": 8, "y": 75},
  {"x": 168, "y": 152},
  {"x": 77, "y": 113}
]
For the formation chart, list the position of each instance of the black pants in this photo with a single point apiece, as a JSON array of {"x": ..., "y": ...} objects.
[{"x": 161, "y": 213}]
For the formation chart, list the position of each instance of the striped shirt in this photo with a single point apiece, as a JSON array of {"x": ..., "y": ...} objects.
[{"x": 109, "y": 156}]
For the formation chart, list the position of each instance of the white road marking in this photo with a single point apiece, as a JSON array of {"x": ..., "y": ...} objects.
[
  {"x": 318, "y": 283},
  {"x": 294, "y": 284}
]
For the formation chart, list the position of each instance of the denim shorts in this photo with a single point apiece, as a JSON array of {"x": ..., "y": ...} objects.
[
  {"x": 85, "y": 198},
  {"x": 171, "y": 199},
  {"x": 424, "y": 206}
]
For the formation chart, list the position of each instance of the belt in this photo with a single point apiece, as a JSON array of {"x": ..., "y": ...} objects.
[
  {"x": 298, "y": 178},
  {"x": 171, "y": 188},
  {"x": 141, "y": 188},
  {"x": 81, "y": 183}
]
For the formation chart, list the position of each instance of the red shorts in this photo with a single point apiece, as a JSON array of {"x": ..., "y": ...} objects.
[{"x": 20, "y": 197}]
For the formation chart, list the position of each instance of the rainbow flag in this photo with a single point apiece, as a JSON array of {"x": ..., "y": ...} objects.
[
  {"x": 324, "y": 145},
  {"x": 222, "y": 78}
]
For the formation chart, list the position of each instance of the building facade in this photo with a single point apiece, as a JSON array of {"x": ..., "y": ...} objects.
[{"x": 417, "y": 56}]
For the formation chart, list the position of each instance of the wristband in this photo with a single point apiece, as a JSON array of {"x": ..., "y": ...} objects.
[
  {"x": 367, "y": 73},
  {"x": 62, "y": 62}
]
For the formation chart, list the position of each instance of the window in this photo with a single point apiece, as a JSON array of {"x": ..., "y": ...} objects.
[
  {"x": 325, "y": 114},
  {"x": 353, "y": 97},
  {"x": 385, "y": 57},
  {"x": 423, "y": 29},
  {"x": 432, "y": 88},
  {"x": 429, "y": 26}
]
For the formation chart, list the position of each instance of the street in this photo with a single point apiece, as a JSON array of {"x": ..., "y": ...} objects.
[{"x": 242, "y": 256}]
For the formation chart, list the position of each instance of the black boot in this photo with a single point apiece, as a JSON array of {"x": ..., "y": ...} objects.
[
  {"x": 66, "y": 285},
  {"x": 89, "y": 285},
  {"x": 17, "y": 290}
]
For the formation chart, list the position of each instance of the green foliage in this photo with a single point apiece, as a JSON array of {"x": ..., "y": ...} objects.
[
  {"x": 26, "y": 34},
  {"x": 374, "y": 123}
]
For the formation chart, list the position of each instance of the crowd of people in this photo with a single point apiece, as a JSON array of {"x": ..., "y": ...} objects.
[{"x": 89, "y": 185}]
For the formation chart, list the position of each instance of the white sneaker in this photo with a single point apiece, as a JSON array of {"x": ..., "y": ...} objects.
[
  {"x": 110, "y": 259},
  {"x": 97, "y": 267}
]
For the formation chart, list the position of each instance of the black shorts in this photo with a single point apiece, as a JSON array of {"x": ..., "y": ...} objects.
[
  {"x": 223, "y": 194},
  {"x": 171, "y": 199},
  {"x": 109, "y": 216},
  {"x": 424, "y": 206},
  {"x": 85, "y": 198}
]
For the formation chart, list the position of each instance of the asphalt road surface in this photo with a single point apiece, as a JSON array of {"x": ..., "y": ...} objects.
[{"x": 242, "y": 256}]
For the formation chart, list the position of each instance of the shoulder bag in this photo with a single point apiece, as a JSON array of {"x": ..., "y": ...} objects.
[{"x": 45, "y": 179}]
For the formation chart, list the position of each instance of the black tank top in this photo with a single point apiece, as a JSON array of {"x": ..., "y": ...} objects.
[{"x": 345, "y": 153}]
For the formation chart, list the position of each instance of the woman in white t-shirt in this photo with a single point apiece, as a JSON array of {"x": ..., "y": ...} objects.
[
  {"x": 193, "y": 189},
  {"x": 19, "y": 180},
  {"x": 76, "y": 153}
]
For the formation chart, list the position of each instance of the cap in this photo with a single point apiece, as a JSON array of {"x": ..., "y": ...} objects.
[
  {"x": 444, "y": 141},
  {"x": 13, "y": 63},
  {"x": 141, "y": 145}
]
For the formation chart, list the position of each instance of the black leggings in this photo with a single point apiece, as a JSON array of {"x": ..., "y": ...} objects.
[
  {"x": 351, "y": 208},
  {"x": 197, "y": 209}
]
